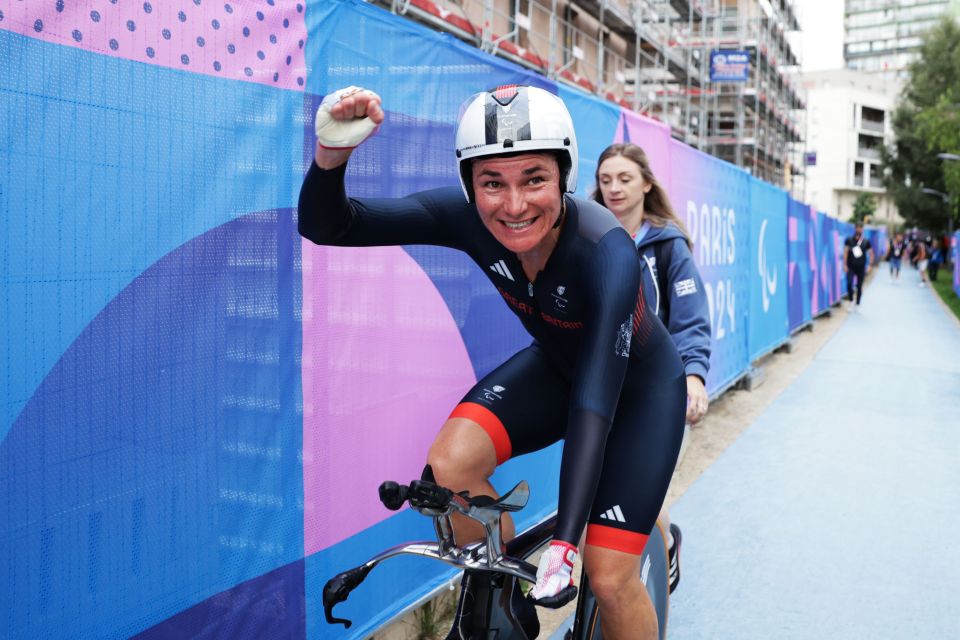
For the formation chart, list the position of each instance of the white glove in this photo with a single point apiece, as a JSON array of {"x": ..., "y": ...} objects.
[
  {"x": 555, "y": 573},
  {"x": 342, "y": 134}
]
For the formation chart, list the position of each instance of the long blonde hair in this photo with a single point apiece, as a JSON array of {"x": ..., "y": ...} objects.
[{"x": 656, "y": 203}]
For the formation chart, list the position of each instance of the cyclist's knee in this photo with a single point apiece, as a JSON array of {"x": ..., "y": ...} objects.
[
  {"x": 614, "y": 576},
  {"x": 461, "y": 452}
]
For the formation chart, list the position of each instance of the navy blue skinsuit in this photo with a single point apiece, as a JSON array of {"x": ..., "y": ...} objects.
[{"x": 591, "y": 333}]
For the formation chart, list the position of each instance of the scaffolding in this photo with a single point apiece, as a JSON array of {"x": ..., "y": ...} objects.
[{"x": 653, "y": 56}]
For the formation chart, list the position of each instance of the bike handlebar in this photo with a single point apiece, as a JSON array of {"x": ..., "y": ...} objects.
[{"x": 440, "y": 503}]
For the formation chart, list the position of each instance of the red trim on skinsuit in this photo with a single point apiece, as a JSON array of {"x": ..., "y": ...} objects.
[
  {"x": 616, "y": 539},
  {"x": 490, "y": 423}
]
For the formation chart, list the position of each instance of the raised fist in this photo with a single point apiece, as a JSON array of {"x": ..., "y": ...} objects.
[{"x": 347, "y": 117}]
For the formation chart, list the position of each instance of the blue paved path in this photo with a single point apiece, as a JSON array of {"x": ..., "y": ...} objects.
[{"x": 837, "y": 513}]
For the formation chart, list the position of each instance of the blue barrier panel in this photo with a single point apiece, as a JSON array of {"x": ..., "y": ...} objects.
[
  {"x": 596, "y": 123},
  {"x": 828, "y": 261},
  {"x": 768, "y": 323},
  {"x": 799, "y": 271},
  {"x": 840, "y": 230},
  {"x": 846, "y": 230},
  {"x": 713, "y": 199},
  {"x": 955, "y": 247},
  {"x": 824, "y": 272},
  {"x": 878, "y": 240},
  {"x": 151, "y": 427}
]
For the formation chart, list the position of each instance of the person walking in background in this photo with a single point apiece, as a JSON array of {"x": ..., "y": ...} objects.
[
  {"x": 936, "y": 259},
  {"x": 895, "y": 250},
  {"x": 856, "y": 264},
  {"x": 671, "y": 283}
]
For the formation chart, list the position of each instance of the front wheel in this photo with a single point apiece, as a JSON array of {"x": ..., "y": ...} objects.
[{"x": 655, "y": 575}]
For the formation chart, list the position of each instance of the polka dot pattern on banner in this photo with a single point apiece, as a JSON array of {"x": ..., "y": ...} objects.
[{"x": 252, "y": 41}]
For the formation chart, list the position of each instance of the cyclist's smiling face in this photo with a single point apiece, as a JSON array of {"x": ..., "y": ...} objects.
[
  {"x": 518, "y": 198},
  {"x": 622, "y": 186}
]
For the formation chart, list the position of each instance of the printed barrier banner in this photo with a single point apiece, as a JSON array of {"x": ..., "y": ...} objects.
[
  {"x": 200, "y": 405},
  {"x": 151, "y": 439},
  {"x": 654, "y": 137},
  {"x": 713, "y": 199},
  {"x": 823, "y": 256},
  {"x": 955, "y": 252},
  {"x": 800, "y": 264},
  {"x": 839, "y": 231},
  {"x": 878, "y": 242},
  {"x": 768, "y": 322},
  {"x": 596, "y": 122}
]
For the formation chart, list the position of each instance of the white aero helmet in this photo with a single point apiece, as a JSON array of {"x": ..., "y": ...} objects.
[{"x": 513, "y": 119}]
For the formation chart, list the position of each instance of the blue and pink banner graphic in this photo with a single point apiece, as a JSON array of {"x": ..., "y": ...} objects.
[
  {"x": 955, "y": 258},
  {"x": 768, "y": 321},
  {"x": 198, "y": 405},
  {"x": 713, "y": 199}
]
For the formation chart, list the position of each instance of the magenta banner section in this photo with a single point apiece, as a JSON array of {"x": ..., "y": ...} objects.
[
  {"x": 383, "y": 365},
  {"x": 654, "y": 137},
  {"x": 248, "y": 41}
]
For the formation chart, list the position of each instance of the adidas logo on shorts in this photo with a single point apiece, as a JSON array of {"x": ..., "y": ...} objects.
[{"x": 614, "y": 514}]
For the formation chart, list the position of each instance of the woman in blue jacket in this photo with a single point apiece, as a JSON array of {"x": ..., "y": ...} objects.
[{"x": 671, "y": 282}]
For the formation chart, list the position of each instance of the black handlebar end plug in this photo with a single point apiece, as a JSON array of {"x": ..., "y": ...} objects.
[{"x": 338, "y": 589}]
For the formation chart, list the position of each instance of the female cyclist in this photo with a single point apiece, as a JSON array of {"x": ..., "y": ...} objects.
[{"x": 601, "y": 374}]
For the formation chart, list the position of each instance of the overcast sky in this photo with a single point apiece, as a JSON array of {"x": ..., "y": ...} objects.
[{"x": 821, "y": 22}]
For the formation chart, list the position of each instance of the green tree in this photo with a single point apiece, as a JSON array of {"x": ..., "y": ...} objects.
[
  {"x": 865, "y": 205},
  {"x": 926, "y": 123}
]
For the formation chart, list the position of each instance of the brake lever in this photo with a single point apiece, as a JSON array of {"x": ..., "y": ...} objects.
[
  {"x": 338, "y": 590},
  {"x": 424, "y": 494}
]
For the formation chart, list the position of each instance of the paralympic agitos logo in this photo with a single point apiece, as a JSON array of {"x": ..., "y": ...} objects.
[{"x": 768, "y": 285}]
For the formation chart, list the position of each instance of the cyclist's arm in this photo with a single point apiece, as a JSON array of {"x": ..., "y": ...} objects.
[
  {"x": 612, "y": 281},
  {"x": 328, "y": 217}
]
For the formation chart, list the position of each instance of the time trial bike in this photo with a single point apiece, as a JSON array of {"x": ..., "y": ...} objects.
[{"x": 491, "y": 603}]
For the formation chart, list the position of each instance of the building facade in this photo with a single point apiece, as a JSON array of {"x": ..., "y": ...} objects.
[
  {"x": 849, "y": 119},
  {"x": 883, "y": 36},
  {"x": 653, "y": 56}
]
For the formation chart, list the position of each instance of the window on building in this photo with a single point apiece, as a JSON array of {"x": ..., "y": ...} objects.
[
  {"x": 858, "y": 174},
  {"x": 872, "y": 119},
  {"x": 868, "y": 146},
  {"x": 858, "y": 47},
  {"x": 909, "y": 43},
  {"x": 876, "y": 176}
]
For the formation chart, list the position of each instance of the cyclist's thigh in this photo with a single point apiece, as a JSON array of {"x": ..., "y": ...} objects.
[
  {"x": 641, "y": 453},
  {"x": 522, "y": 404}
]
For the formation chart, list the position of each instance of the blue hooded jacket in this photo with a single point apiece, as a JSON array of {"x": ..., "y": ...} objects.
[{"x": 689, "y": 321}]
